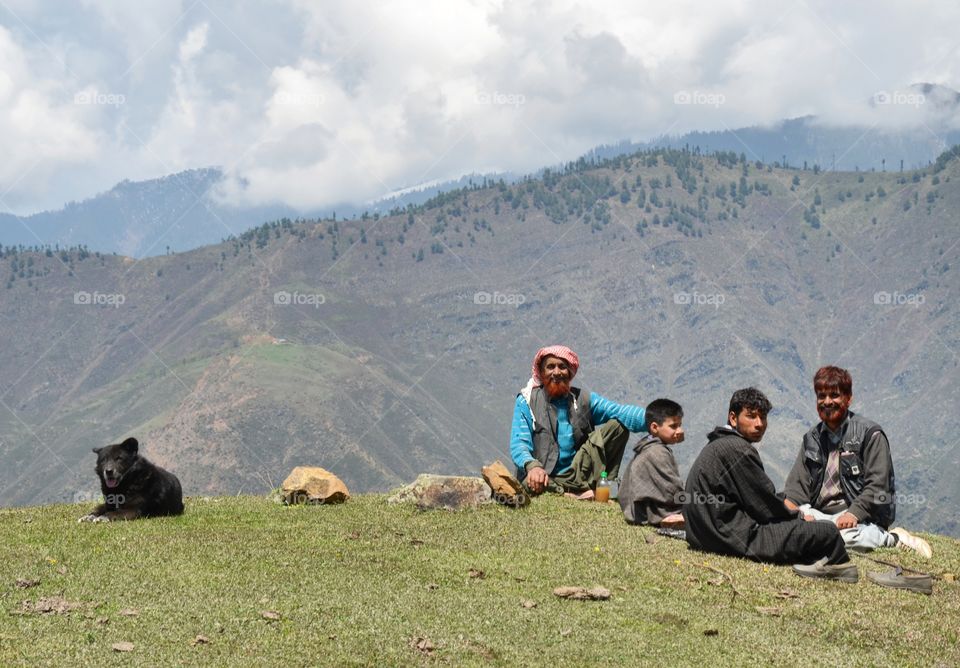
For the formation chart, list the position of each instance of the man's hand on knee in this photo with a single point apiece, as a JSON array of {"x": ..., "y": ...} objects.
[
  {"x": 537, "y": 480},
  {"x": 846, "y": 521}
]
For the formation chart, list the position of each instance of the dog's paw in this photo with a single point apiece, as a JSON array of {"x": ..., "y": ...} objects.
[{"x": 94, "y": 518}]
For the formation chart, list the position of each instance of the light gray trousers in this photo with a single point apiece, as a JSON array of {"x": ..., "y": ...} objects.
[{"x": 862, "y": 538}]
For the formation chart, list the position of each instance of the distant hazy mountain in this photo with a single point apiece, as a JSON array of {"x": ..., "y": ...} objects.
[
  {"x": 802, "y": 141},
  {"x": 809, "y": 141},
  {"x": 141, "y": 218},
  {"x": 392, "y": 345},
  {"x": 176, "y": 213}
]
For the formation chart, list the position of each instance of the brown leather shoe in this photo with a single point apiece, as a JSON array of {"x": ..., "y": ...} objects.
[
  {"x": 820, "y": 569},
  {"x": 922, "y": 583}
]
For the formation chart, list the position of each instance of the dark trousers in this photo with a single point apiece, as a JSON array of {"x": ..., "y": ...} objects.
[{"x": 797, "y": 542}]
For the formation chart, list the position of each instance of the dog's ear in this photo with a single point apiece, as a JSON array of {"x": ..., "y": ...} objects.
[
  {"x": 130, "y": 445},
  {"x": 96, "y": 451}
]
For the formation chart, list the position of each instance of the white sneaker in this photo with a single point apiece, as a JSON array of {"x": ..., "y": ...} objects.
[{"x": 910, "y": 542}]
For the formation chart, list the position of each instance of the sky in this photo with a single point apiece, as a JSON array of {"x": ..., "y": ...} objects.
[{"x": 311, "y": 104}]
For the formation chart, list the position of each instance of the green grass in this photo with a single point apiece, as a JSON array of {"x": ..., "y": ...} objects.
[
  {"x": 358, "y": 584},
  {"x": 303, "y": 359}
]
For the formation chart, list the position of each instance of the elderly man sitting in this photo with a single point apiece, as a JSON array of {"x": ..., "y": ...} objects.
[{"x": 563, "y": 437}]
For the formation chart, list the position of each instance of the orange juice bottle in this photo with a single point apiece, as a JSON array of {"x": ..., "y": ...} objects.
[{"x": 602, "y": 494}]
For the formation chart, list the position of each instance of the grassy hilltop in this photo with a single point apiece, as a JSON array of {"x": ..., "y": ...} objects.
[{"x": 241, "y": 581}]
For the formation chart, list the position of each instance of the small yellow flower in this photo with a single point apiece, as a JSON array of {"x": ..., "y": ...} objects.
[{"x": 676, "y": 561}]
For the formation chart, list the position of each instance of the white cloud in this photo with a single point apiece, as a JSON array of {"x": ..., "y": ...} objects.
[
  {"x": 42, "y": 129},
  {"x": 138, "y": 27},
  {"x": 315, "y": 105},
  {"x": 193, "y": 43}
]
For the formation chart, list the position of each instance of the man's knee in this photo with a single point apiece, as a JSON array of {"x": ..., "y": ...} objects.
[
  {"x": 611, "y": 435},
  {"x": 607, "y": 437}
]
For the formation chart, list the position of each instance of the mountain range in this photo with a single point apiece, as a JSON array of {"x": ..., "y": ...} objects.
[
  {"x": 188, "y": 209},
  {"x": 933, "y": 112},
  {"x": 390, "y": 345}
]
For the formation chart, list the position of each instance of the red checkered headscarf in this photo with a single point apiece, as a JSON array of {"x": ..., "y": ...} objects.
[{"x": 563, "y": 353}]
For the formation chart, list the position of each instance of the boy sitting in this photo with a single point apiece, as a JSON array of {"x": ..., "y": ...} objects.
[{"x": 651, "y": 491}]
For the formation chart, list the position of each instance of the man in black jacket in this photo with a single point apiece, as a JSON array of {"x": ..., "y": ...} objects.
[
  {"x": 844, "y": 472},
  {"x": 731, "y": 507}
]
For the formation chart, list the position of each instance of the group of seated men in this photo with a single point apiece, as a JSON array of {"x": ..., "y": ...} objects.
[{"x": 839, "y": 494}]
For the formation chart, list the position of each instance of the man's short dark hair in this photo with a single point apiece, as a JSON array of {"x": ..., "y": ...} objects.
[
  {"x": 659, "y": 410},
  {"x": 750, "y": 397},
  {"x": 830, "y": 377}
]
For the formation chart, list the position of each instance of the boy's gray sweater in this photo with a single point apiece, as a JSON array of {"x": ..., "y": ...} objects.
[{"x": 651, "y": 487}]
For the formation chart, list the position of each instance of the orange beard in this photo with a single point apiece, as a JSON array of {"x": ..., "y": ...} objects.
[{"x": 556, "y": 389}]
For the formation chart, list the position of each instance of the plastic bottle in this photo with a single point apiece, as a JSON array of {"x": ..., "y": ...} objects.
[
  {"x": 614, "y": 489},
  {"x": 602, "y": 494}
]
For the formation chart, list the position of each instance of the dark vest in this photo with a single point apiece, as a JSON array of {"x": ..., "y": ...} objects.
[
  {"x": 854, "y": 437},
  {"x": 546, "y": 450}
]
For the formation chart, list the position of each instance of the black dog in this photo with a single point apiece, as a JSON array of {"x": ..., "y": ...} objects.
[{"x": 132, "y": 487}]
